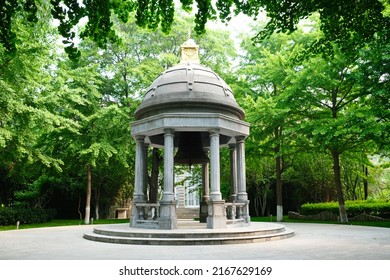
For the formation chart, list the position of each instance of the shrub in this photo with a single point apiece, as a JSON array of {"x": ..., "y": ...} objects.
[
  {"x": 9, "y": 216},
  {"x": 354, "y": 208}
]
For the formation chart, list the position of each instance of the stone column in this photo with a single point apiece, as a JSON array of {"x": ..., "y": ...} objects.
[
  {"x": 233, "y": 172},
  {"x": 139, "y": 184},
  {"x": 231, "y": 211},
  {"x": 205, "y": 193},
  {"x": 146, "y": 154},
  {"x": 168, "y": 218},
  {"x": 242, "y": 195},
  {"x": 206, "y": 181},
  {"x": 215, "y": 179},
  {"x": 241, "y": 177},
  {"x": 216, "y": 206}
]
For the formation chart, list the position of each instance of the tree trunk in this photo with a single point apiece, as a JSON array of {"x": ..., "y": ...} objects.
[
  {"x": 97, "y": 198},
  {"x": 263, "y": 203},
  {"x": 365, "y": 181},
  {"x": 279, "y": 197},
  {"x": 78, "y": 209},
  {"x": 153, "y": 192},
  {"x": 88, "y": 198},
  {"x": 97, "y": 211},
  {"x": 339, "y": 189},
  {"x": 279, "y": 183}
]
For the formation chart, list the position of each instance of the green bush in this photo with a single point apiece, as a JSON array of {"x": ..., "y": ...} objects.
[
  {"x": 9, "y": 216},
  {"x": 354, "y": 208}
]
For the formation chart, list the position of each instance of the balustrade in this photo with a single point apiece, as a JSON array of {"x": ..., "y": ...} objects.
[
  {"x": 147, "y": 212},
  {"x": 235, "y": 210}
]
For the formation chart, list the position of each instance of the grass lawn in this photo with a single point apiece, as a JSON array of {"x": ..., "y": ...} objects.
[
  {"x": 58, "y": 223},
  {"x": 287, "y": 220}
]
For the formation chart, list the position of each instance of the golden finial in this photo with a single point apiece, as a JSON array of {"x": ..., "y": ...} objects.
[{"x": 189, "y": 50}]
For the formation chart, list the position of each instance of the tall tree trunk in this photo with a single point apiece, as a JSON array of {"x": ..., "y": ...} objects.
[
  {"x": 97, "y": 198},
  {"x": 336, "y": 166},
  {"x": 365, "y": 181},
  {"x": 279, "y": 183},
  {"x": 78, "y": 209},
  {"x": 88, "y": 198},
  {"x": 97, "y": 211},
  {"x": 153, "y": 183},
  {"x": 339, "y": 189},
  {"x": 263, "y": 203}
]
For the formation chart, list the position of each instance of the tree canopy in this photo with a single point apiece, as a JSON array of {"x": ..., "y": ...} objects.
[{"x": 349, "y": 23}]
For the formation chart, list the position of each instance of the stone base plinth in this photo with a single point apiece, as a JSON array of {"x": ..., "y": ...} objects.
[
  {"x": 245, "y": 211},
  {"x": 217, "y": 215},
  {"x": 168, "y": 218},
  {"x": 134, "y": 217}
]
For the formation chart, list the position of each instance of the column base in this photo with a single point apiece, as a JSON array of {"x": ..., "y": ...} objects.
[
  {"x": 137, "y": 213},
  {"x": 134, "y": 216},
  {"x": 245, "y": 211},
  {"x": 233, "y": 198},
  {"x": 216, "y": 214},
  {"x": 168, "y": 218}
]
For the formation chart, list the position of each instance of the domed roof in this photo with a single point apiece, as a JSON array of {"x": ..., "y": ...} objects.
[{"x": 189, "y": 87}]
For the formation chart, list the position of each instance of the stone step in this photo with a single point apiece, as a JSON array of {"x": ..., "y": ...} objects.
[
  {"x": 188, "y": 241},
  {"x": 194, "y": 234},
  {"x": 189, "y": 236},
  {"x": 187, "y": 213}
]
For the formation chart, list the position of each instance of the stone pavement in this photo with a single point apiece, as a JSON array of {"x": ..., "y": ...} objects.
[{"x": 311, "y": 242}]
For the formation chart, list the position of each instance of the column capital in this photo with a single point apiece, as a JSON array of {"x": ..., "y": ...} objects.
[
  {"x": 240, "y": 139},
  {"x": 214, "y": 131},
  {"x": 232, "y": 146},
  {"x": 139, "y": 138},
  {"x": 169, "y": 131}
]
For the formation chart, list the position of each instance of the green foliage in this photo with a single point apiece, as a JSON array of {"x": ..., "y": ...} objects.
[
  {"x": 354, "y": 208},
  {"x": 350, "y": 24},
  {"x": 301, "y": 110},
  {"x": 9, "y": 216},
  {"x": 24, "y": 87}
]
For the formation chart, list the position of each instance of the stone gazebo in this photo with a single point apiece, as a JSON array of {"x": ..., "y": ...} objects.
[{"x": 189, "y": 108}]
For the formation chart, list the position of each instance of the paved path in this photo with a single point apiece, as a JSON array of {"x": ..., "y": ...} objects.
[{"x": 311, "y": 242}]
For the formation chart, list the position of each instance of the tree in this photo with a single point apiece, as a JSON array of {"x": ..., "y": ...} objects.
[
  {"x": 312, "y": 178},
  {"x": 266, "y": 71},
  {"x": 25, "y": 112},
  {"x": 104, "y": 133},
  {"x": 349, "y": 23},
  {"x": 260, "y": 178},
  {"x": 338, "y": 118}
]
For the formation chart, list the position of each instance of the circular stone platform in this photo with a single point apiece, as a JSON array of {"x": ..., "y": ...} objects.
[{"x": 190, "y": 233}]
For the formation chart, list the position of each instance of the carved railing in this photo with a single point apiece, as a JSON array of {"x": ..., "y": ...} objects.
[
  {"x": 236, "y": 210},
  {"x": 147, "y": 212}
]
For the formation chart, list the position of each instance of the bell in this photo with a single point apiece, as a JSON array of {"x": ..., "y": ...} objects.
[{"x": 190, "y": 149}]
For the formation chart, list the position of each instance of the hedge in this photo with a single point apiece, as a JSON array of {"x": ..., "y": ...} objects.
[
  {"x": 353, "y": 207},
  {"x": 9, "y": 216}
]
